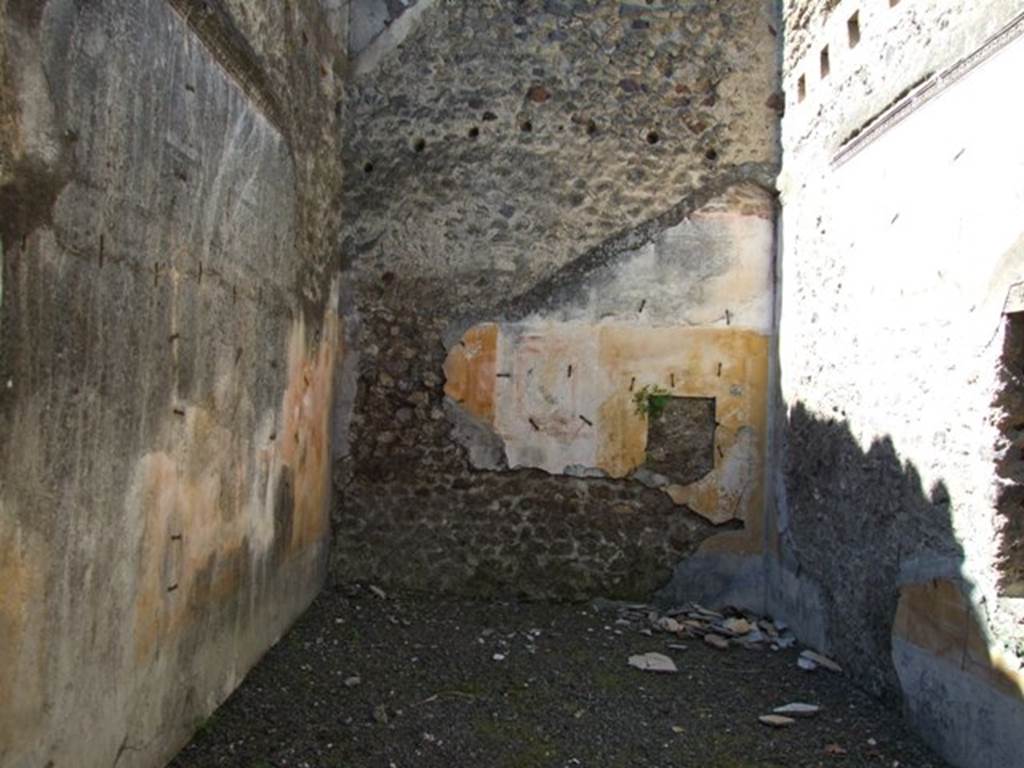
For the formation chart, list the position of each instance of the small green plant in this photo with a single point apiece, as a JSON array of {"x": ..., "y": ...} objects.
[{"x": 651, "y": 401}]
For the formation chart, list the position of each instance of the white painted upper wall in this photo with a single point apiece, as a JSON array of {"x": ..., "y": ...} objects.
[{"x": 897, "y": 267}]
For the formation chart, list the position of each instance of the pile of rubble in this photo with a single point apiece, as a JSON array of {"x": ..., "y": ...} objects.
[{"x": 730, "y": 628}]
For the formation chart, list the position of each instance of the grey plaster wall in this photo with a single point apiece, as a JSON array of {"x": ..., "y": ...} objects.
[{"x": 169, "y": 333}]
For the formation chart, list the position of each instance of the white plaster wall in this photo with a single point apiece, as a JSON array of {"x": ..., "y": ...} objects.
[{"x": 897, "y": 267}]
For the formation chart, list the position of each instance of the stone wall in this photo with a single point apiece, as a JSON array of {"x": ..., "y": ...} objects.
[
  {"x": 555, "y": 174},
  {"x": 901, "y": 240},
  {"x": 169, "y": 193}
]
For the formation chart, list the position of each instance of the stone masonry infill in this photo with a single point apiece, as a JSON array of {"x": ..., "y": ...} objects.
[{"x": 503, "y": 153}]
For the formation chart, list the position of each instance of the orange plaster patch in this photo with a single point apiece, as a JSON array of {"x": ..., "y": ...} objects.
[
  {"x": 21, "y": 589},
  {"x": 204, "y": 506},
  {"x": 306, "y": 419},
  {"x": 469, "y": 371},
  {"x": 728, "y": 365},
  {"x": 937, "y": 617}
]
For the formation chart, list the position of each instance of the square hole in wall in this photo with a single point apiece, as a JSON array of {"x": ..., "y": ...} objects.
[
  {"x": 681, "y": 440},
  {"x": 826, "y": 64},
  {"x": 801, "y": 88},
  {"x": 853, "y": 29}
]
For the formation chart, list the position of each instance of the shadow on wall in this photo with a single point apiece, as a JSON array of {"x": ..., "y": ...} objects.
[
  {"x": 1010, "y": 468},
  {"x": 870, "y": 568}
]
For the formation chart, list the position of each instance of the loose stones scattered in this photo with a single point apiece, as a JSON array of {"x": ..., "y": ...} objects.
[{"x": 721, "y": 630}]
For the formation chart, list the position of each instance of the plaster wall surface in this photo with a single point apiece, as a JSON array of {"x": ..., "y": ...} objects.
[
  {"x": 901, "y": 241},
  {"x": 539, "y": 167},
  {"x": 169, "y": 341}
]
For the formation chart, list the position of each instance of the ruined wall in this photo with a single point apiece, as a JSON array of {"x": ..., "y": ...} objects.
[
  {"x": 539, "y": 186},
  {"x": 168, "y": 350},
  {"x": 901, "y": 241}
]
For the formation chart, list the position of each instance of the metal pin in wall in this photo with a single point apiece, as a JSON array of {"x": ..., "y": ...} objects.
[
  {"x": 570, "y": 372},
  {"x": 642, "y": 305},
  {"x": 179, "y": 411},
  {"x": 586, "y": 421},
  {"x": 102, "y": 248},
  {"x": 172, "y": 588},
  {"x": 534, "y": 425},
  {"x": 176, "y": 537},
  {"x": 503, "y": 375},
  {"x": 632, "y": 383},
  {"x": 728, "y": 317},
  {"x": 720, "y": 454},
  {"x": 174, "y": 337},
  {"x": 200, "y": 278},
  {"x": 672, "y": 379},
  {"x": 719, "y": 370}
]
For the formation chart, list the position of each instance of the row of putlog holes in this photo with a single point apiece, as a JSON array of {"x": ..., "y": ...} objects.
[
  {"x": 651, "y": 137},
  {"x": 853, "y": 35}
]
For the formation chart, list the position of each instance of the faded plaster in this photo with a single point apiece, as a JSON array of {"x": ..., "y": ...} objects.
[
  {"x": 559, "y": 391},
  {"x": 170, "y": 346}
]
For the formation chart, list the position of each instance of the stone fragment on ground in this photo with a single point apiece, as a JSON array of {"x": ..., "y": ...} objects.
[
  {"x": 653, "y": 662},
  {"x": 777, "y": 721},
  {"x": 668, "y": 624},
  {"x": 797, "y": 709},
  {"x": 737, "y": 626},
  {"x": 806, "y": 664},
  {"x": 821, "y": 661},
  {"x": 716, "y": 641}
]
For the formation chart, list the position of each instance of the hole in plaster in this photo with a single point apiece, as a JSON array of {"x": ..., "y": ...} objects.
[
  {"x": 681, "y": 440},
  {"x": 419, "y": 145},
  {"x": 1009, "y": 404},
  {"x": 591, "y": 128},
  {"x": 711, "y": 154},
  {"x": 801, "y": 88},
  {"x": 826, "y": 64},
  {"x": 526, "y": 126},
  {"x": 474, "y": 132},
  {"x": 488, "y": 117},
  {"x": 853, "y": 29},
  {"x": 653, "y": 137},
  {"x": 368, "y": 168}
]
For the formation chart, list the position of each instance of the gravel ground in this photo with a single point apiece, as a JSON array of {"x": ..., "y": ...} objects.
[{"x": 422, "y": 680}]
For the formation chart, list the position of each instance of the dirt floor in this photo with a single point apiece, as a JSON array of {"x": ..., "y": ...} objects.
[{"x": 417, "y": 680}]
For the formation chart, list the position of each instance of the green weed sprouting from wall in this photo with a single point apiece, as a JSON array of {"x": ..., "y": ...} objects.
[{"x": 651, "y": 401}]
